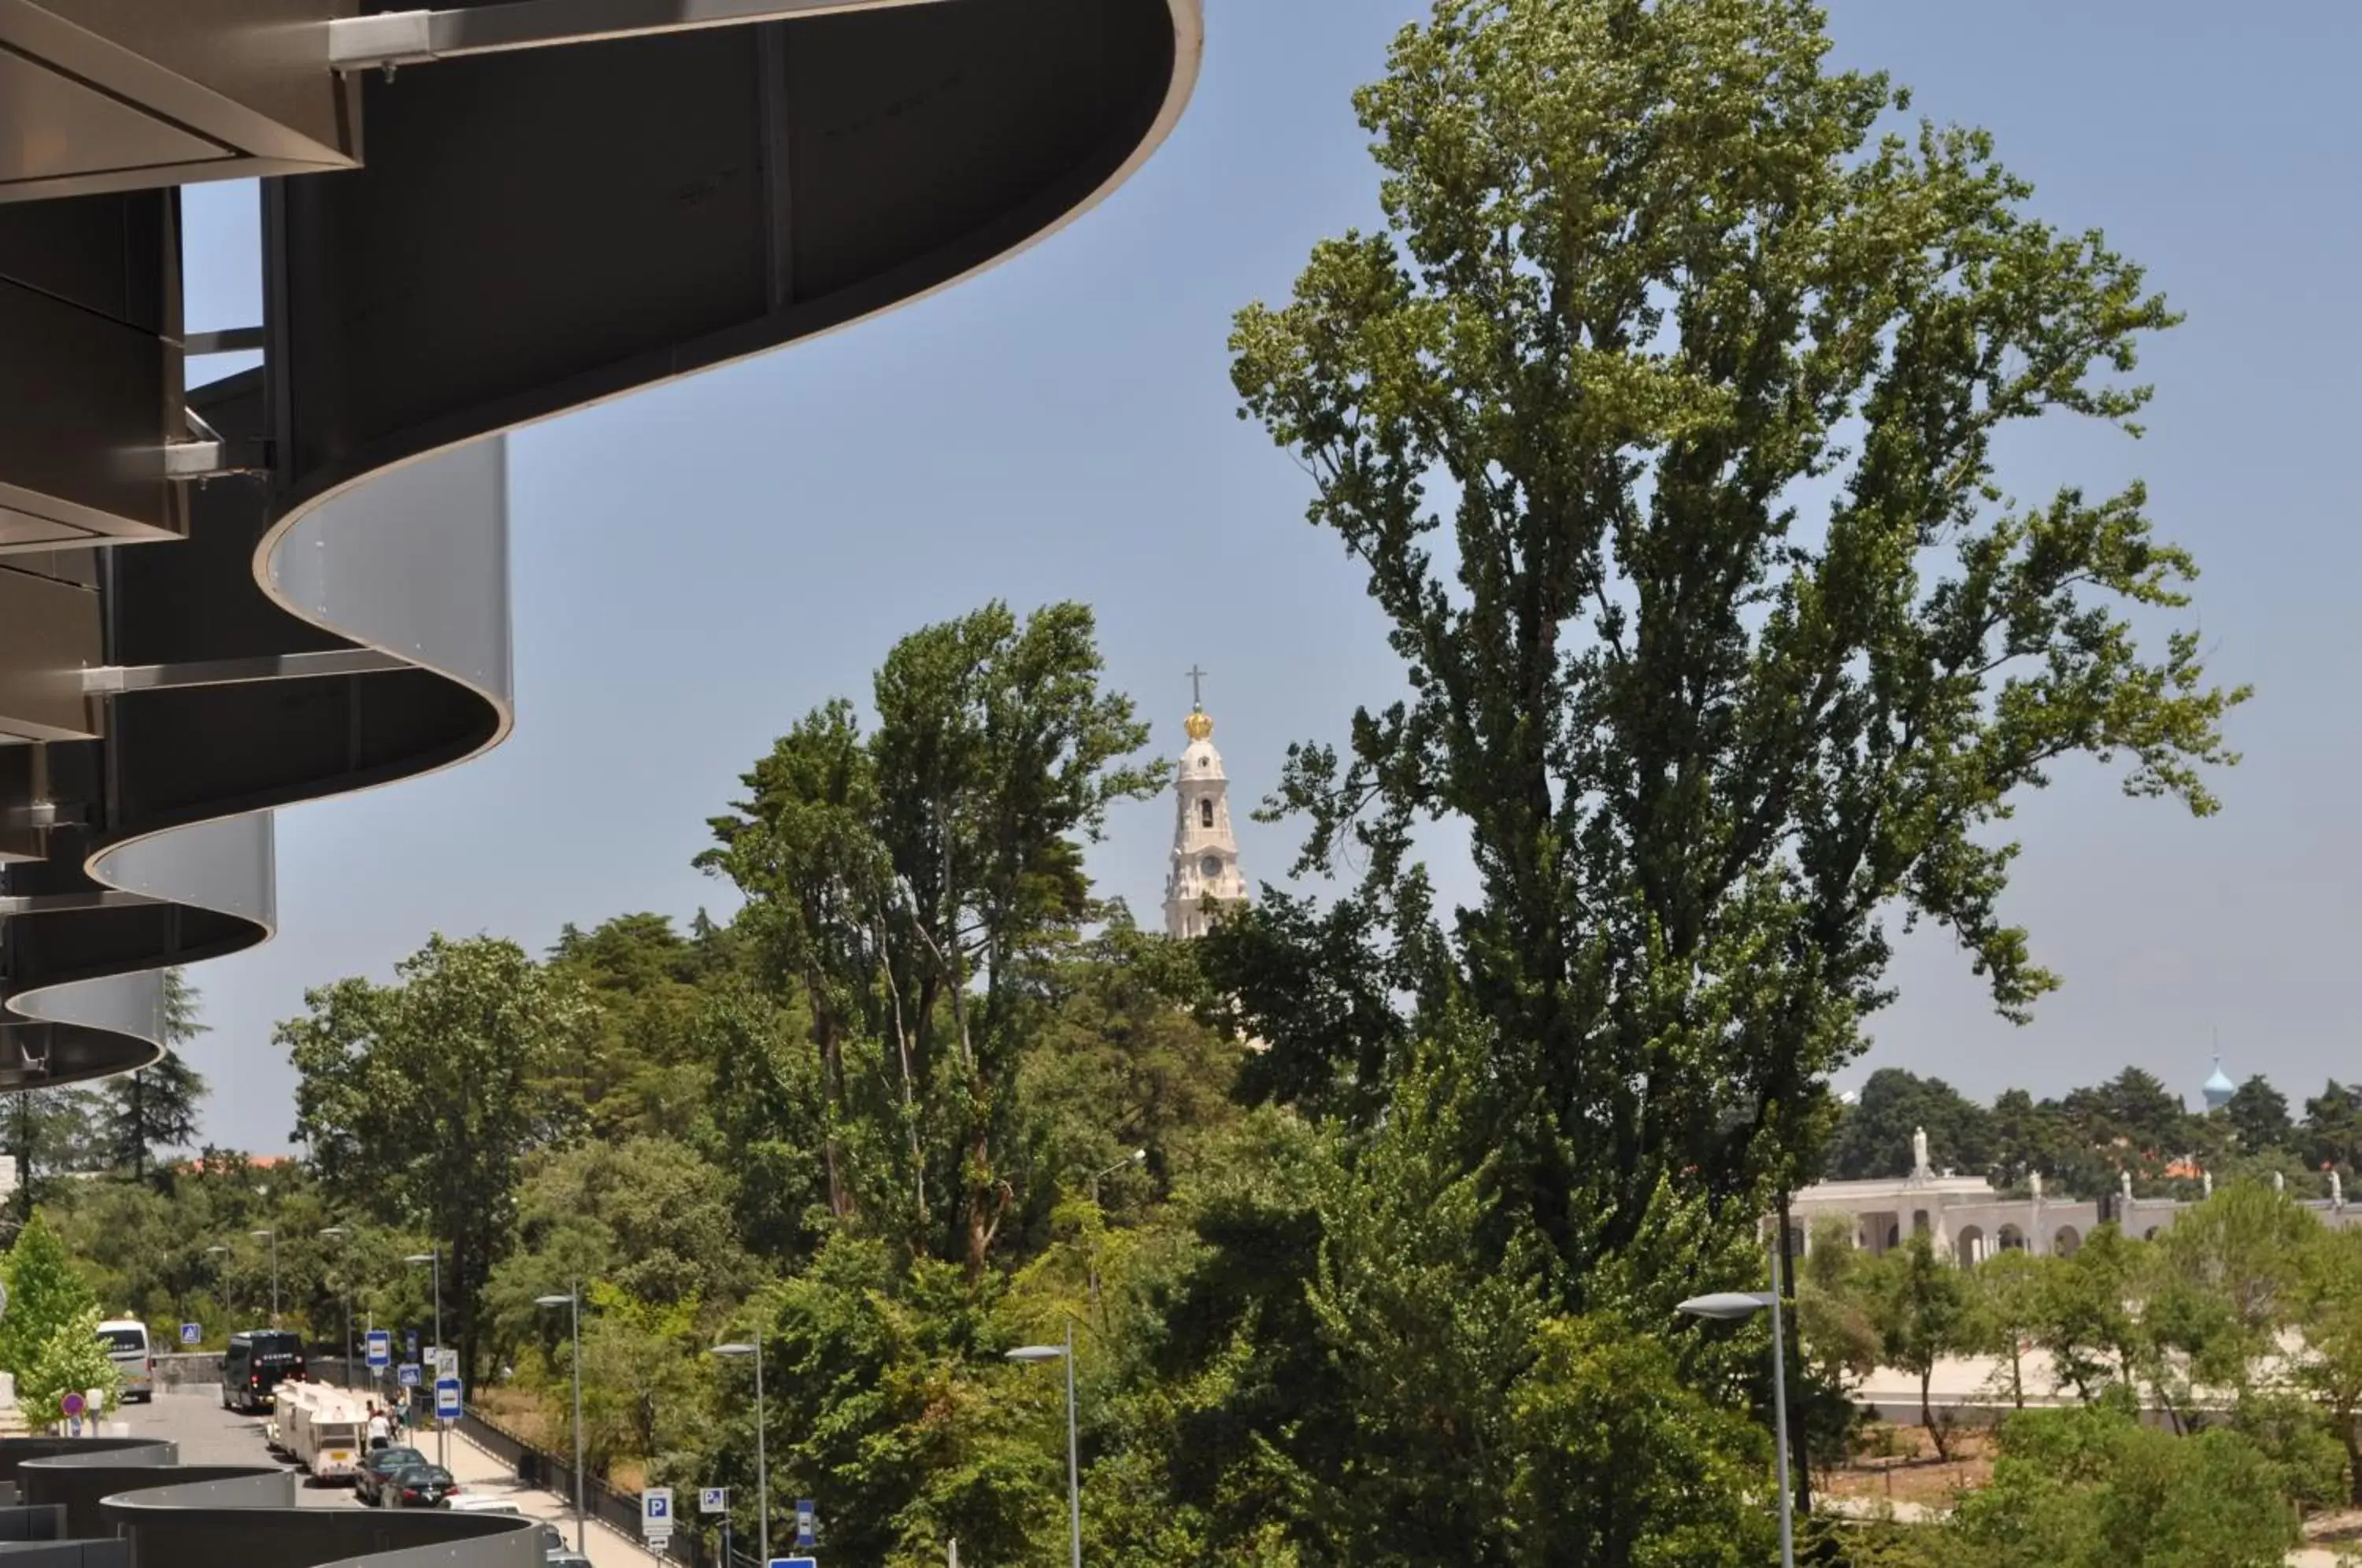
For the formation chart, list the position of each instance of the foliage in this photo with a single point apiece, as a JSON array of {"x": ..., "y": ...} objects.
[
  {"x": 156, "y": 1108},
  {"x": 1873, "y": 1136},
  {"x": 2091, "y": 1488},
  {"x": 46, "y": 1292},
  {"x": 1662, "y": 419},
  {"x": 422, "y": 1099},
  {"x": 1922, "y": 1310},
  {"x": 68, "y": 1358}
]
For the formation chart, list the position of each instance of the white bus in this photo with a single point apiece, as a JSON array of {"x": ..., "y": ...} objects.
[
  {"x": 125, "y": 1340},
  {"x": 326, "y": 1429}
]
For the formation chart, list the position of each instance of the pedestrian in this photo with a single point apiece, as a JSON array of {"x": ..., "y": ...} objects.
[{"x": 380, "y": 1432}]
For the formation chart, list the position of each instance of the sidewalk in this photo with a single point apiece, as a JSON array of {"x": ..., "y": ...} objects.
[{"x": 485, "y": 1477}]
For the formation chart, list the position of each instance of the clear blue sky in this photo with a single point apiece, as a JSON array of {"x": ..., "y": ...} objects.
[{"x": 697, "y": 566}]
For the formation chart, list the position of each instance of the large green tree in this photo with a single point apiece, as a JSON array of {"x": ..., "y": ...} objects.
[
  {"x": 422, "y": 1099},
  {"x": 1874, "y": 1137},
  {"x": 156, "y": 1107},
  {"x": 1661, "y": 417},
  {"x": 914, "y": 881}
]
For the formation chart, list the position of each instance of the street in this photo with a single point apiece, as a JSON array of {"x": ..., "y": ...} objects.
[{"x": 207, "y": 1434}]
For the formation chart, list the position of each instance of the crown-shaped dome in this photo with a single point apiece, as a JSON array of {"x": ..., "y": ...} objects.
[{"x": 1199, "y": 723}]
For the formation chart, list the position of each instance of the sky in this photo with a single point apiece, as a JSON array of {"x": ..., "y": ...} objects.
[{"x": 696, "y": 566}]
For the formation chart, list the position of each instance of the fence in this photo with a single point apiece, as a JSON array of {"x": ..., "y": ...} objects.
[{"x": 551, "y": 1473}]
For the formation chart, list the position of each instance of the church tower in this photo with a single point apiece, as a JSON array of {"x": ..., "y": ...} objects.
[{"x": 1205, "y": 852}]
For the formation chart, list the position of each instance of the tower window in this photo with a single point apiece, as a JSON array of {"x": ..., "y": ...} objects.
[{"x": 1205, "y": 814}]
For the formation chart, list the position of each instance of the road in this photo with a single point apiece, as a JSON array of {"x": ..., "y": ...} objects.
[{"x": 207, "y": 1434}]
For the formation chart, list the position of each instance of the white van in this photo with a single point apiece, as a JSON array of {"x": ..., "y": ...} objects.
[{"x": 125, "y": 1340}]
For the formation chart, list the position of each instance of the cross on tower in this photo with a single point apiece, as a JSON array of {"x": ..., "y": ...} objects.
[{"x": 1196, "y": 691}]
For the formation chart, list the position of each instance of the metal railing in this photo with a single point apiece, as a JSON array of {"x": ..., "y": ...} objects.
[{"x": 552, "y": 1472}]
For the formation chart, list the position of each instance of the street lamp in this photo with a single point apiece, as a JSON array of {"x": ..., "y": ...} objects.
[
  {"x": 434, "y": 1256},
  {"x": 1728, "y": 1304},
  {"x": 1064, "y": 1352},
  {"x": 1137, "y": 1157},
  {"x": 272, "y": 1237},
  {"x": 338, "y": 1234},
  {"x": 572, "y": 1302},
  {"x": 217, "y": 1251},
  {"x": 762, "y": 1465}
]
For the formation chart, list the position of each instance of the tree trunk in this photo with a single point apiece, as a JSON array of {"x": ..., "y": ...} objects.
[
  {"x": 2016, "y": 1374},
  {"x": 2354, "y": 1458},
  {"x": 1928, "y": 1414}
]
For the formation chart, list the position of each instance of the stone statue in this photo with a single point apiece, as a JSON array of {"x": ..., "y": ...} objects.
[
  {"x": 2034, "y": 1179},
  {"x": 1919, "y": 1153},
  {"x": 2124, "y": 1185},
  {"x": 2337, "y": 1190},
  {"x": 2279, "y": 1182},
  {"x": 2206, "y": 1181}
]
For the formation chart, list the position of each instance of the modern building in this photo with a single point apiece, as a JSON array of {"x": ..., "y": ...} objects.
[
  {"x": 221, "y": 594},
  {"x": 1204, "y": 850}
]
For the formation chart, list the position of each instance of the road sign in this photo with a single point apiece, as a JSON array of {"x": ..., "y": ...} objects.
[
  {"x": 380, "y": 1348},
  {"x": 447, "y": 1362},
  {"x": 714, "y": 1500},
  {"x": 655, "y": 1512},
  {"x": 407, "y": 1375},
  {"x": 410, "y": 1339},
  {"x": 193, "y": 1333},
  {"x": 446, "y": 1398},
  {"x": 804, "y": 1522},
  {"x": 72, "y": 1404},
  {"x": 794, "y": 1563}
]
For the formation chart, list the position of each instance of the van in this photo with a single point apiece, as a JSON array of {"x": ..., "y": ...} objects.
[
  {"x": 125, "y": 1340},
  {"x": 254, "y": 1365}
]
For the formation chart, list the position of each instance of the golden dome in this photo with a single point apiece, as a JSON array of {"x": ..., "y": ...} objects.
[{"x": 1198, "y": 723}]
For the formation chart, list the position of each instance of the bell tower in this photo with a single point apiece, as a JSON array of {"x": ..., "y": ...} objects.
[{"x": 1204, "y": 850}]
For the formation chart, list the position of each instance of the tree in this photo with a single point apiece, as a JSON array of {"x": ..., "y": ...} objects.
[
  {"x": 2093, "y": 1488},
  {"x": 1874, "y": 1137},
  {"x": 2007, "y": 1290},
  {"x": 422, "y": 1099},
  {"x": 156, "y": 1108},
  {"x": 2132, "y": 1108},
  {"x": 49, "y": 1131},
  {"x": 1922, "y": 1310},
  {"x": 1662, "y": 421},
  {"x": 2332, "y": 1127},
  {"x": 921, "y": 875},
  {"x": 2258, "y": 1115},
  {"x": 2028, "y": 1140},
  {"x": 46, "y": 1291},
  {"x": 68, "y": 1358}
]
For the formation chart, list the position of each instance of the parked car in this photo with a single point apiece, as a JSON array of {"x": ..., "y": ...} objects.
[
  {"x": 422, "y": 1487},
  {"x": 556, "y": 1553},
  {"x": 375, "y": 1469}
]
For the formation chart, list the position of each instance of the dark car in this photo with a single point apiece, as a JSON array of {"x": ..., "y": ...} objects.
[
  {"x": 257, "y": 1362},
  {"x": 421, "y": 1487},
  {"x": 370, "y": 1478}
]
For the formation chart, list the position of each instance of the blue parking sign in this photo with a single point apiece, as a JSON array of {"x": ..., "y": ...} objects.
[
  {"x": 380, "y": 1348},
  {"x": 446, "y": 1398}
]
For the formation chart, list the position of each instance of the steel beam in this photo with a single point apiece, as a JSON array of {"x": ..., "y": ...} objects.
[{"x": 416, "y": 38}]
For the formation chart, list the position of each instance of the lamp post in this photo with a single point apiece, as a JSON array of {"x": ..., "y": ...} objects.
[
  {"x": 338, "y": 1234},
  {"x": 1137, "y": 1157},
  {"x": 434, "y": 1256},
  {"x": 272, "y": 1237},
  {"x": 572, "y": 1302},
  {"x": 762, "y": 1465},
  {"x": 1064, "y": 1352},
  {"x": 1733, "y": 1304}
]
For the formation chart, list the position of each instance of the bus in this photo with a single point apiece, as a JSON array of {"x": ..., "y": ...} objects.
[
  {"x": 257, "y": 1362},
  {"x": 125, "y": 1340}
]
